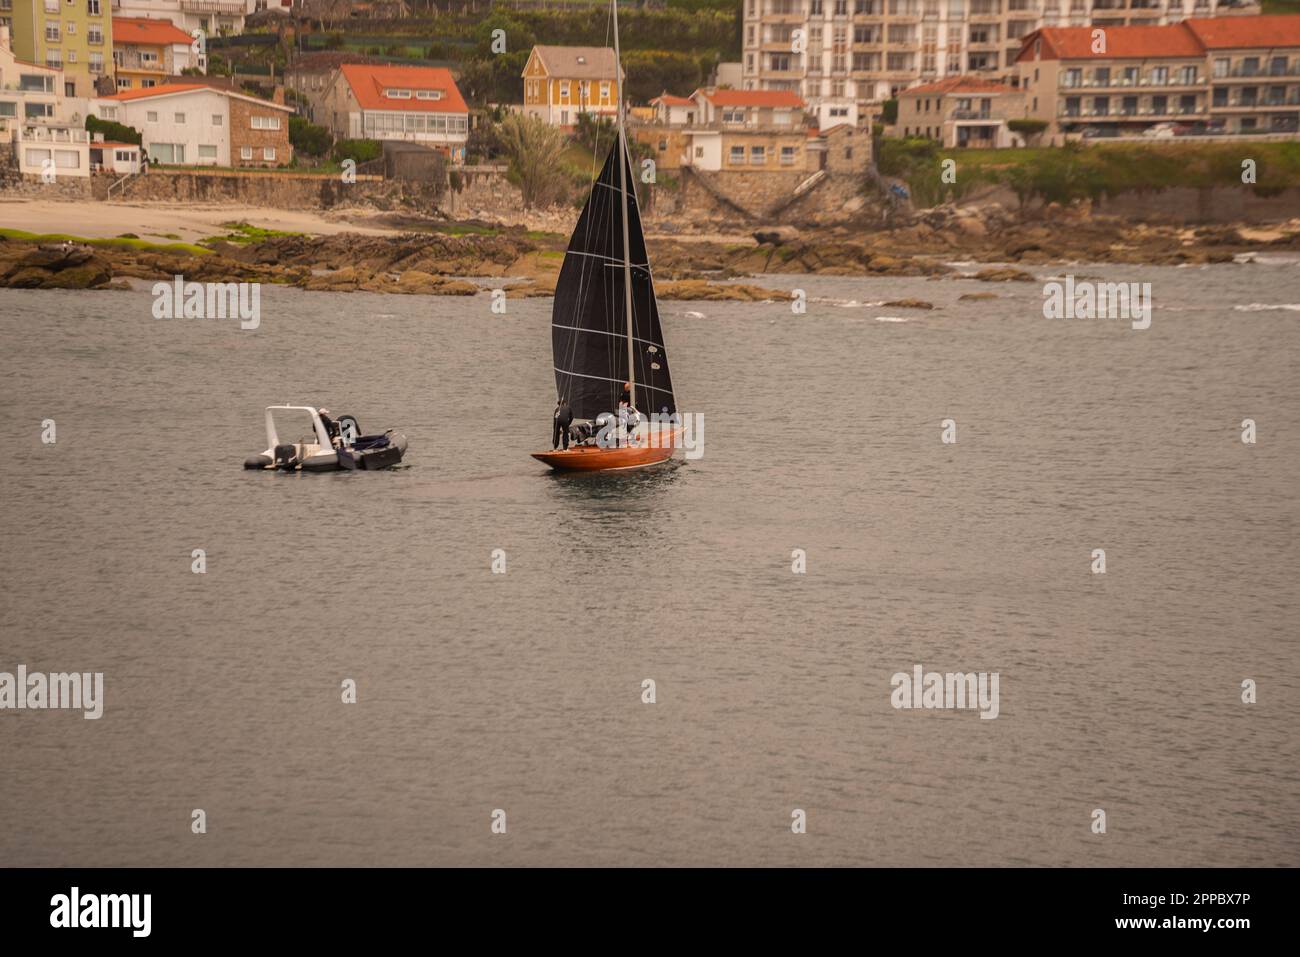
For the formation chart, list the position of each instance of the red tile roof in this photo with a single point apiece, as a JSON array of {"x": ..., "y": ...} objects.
[
  {"x": 161, "y": 90},
  {"x": 958, "y": 84},
  {"x": 1076, "y": 43},
  {"x": 369, "y": 83},
  {"x": 1222, "y": 33},
  {"x": 142, "y": 30},
  {"x": 775, "y": 98},
  {"x": 167, "y": 89}
]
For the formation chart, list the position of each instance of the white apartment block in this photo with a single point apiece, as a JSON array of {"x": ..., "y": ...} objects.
[
  {"x": 214, "y": 17},
  {"x": 841, "y": 55}
]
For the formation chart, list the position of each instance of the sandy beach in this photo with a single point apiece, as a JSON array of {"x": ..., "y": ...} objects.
[{"x": 163, "y": 221}]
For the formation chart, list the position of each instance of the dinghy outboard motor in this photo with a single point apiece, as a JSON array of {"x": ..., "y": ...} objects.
[{"x": 286, "y": 457}]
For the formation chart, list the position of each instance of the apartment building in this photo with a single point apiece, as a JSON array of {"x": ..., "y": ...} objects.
[
  {"x": 843, "y": 54},
  {"x": 562, "y": 82},
  {"x": 719, "y": 130},
  {"x": 74, "y": 36},
  {"x": 413, "y": 103},
  {"x": 960, "y": 111},
  {"x": 198, "y": 125},
  {"x": 1223, "y": 75},
  {"x": 146, "y": 52},
  {"x": 213, "y": 17}
]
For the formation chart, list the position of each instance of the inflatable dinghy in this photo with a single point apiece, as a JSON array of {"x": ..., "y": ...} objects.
[{"x": 321, "y": 451}]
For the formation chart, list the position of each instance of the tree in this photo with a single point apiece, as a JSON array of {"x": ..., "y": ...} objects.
[
  {"x": 309, "y": 138},
  {"x": 889, "y": 111},
  {"x": 113, "y": 132},
  {"x": 534, "y": 148}
]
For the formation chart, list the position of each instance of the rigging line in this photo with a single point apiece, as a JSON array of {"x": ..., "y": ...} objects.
[
  {"x": 605, "y": 378},
  {"x": 602, "y": 332}
]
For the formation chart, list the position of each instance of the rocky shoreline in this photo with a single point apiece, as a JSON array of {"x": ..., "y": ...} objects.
[{"x": 527, "y": 264}]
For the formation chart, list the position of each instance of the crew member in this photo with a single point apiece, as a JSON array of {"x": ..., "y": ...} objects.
[
  {"x": 563, "y": 419},
  {"x": 331, "y": 427}
]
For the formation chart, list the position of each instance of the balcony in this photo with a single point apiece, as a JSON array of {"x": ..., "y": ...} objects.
[
  {"x": 228, "y": 8},
  {"x": 973, "y": 115},
  {"x": 131, "y": 60}
]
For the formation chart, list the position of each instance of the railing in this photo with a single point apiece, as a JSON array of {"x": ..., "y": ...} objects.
[
  {"x": 121, "y": 184},
  {"x": 972, "y": 115},
  {"x": 231, "y": 8},
  {"x": 1092, "y": 83},
  {"x": 52, "y": 134}
]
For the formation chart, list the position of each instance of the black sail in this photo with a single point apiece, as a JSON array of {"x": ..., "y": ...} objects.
[{"x": 589, "y": 320}]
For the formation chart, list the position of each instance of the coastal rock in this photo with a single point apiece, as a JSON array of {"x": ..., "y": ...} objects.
[
  {"x": 1002, "y": 274},
  {"x": 57, "y": 267},
  {"x": 776, "y": 235},
  {"x": 977, "y": 296},
  {"x": 703, "y": 290},
  {"x": 909, "y": 304}
]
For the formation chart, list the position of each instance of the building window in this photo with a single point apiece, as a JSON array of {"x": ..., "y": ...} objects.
[
  {"x": 38, "y": 110},
  {"x": 564, "y": 89},
  {"x": 398, "y": 94},
  {"x": 51, "y": 33},
  {"x": 208, "y": 153},
  {"x": 96, "y": 62},
  {"x": 94, "y": 34},
  {"x": 699, "y": 150},
  {"x": 428, "y": 94},
  {"x": 737, "y": 156},
  {"x": 54, "y": 59},
  {"x": 757, "y": 155},
  {"x": 92, "y": 7},
  {"x": 123, "y": 83},
  {"x": 216, "y": 119},
  {"x": 268, "y": 153},
  {"x": 733, "y": 117},
  {"x": 151, "y": 116},
  {"x": 266, "y": 122},
  {"x": 178, "y": 118},
  {"x": 245, "y": 152},
  {"x": 787, "y": 155}
]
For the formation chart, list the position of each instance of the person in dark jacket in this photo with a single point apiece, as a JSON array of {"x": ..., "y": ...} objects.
[
  {"x": 563, "y": 419},
  {"x": 331, "y": 427}
]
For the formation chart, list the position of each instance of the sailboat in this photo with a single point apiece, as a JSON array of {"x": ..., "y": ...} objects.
[{"x": 606, "y": 340}]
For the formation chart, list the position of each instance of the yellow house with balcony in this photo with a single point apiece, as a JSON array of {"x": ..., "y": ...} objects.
[
  {"x": 146, "y": 52},
  {"x": 75, "y": 36},
  {"x": 562, "y": 82}
]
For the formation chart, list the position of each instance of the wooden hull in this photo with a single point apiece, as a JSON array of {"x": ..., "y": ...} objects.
[{"x": 587, "y": 458}]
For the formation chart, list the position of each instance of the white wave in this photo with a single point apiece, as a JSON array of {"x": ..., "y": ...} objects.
[
  {"x": 892, "y": 319},
  {"x": 694, "y": 315},
  {"x": 1268, "y": 307}
]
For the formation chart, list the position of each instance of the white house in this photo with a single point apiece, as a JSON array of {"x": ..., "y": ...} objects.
[
  {"x": 674, "y": 110},
  {"x": 197, "y": 125}
]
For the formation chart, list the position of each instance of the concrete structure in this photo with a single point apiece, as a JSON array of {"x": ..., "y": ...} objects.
[
  {"x": 214, "y": 17},
  {"x": 147, "y": 52},
  {"x": 843, "y": 54},
  {"x": 1229, "y": 75},
  {"x": 198, "y": 125},
  {"x": 960, "y": 111},
  {"x": 414, "y": 103},
  {"x": 562, "y": 82},
  {"x": 75, "y": 36}
]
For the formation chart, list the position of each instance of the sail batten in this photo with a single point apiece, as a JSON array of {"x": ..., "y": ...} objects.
[{"x": 590, "y": 297}]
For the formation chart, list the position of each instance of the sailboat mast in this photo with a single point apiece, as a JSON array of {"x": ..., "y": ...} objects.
[{"x": 622, "y": 185}]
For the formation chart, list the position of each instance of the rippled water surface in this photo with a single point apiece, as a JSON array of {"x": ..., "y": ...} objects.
[{"x": 522, "y": 691}]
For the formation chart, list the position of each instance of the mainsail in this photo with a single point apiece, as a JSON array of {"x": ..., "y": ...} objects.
[{"x": 589, "y": 320}]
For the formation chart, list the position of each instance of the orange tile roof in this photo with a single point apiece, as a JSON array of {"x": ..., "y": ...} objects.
[
  {"x": 777, "y": 98},
  {"x": 667, "y": 99},
  {"x": 958, "y": 84},
  {"x": 142, "y": 30},
  {"x": 369, "y": 83},
  {"x": 161, "y": 90},
  {"x": 1075, "y": 43},
  {"x": 1220, "y": 33}
]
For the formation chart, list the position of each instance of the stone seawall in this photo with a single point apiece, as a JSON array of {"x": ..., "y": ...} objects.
[{"x": 279, "y": 190}]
